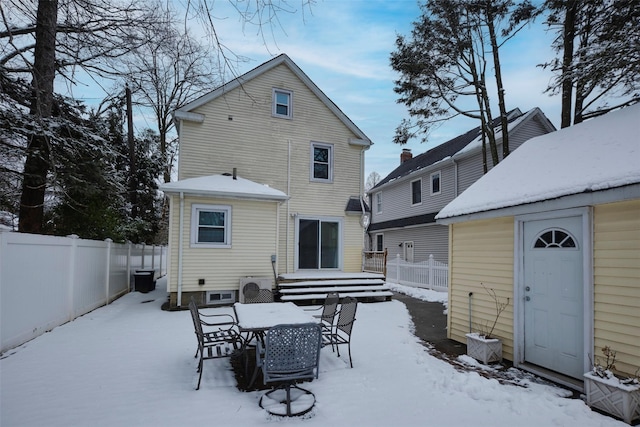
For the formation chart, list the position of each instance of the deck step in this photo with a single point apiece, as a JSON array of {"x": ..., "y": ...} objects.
[
  {"x": 363, "y": 294},
  {"x": 331, "y": 282},
  {"x": 339, "y": 289}
]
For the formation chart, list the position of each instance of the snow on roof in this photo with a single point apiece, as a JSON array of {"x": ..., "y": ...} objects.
[
  {"x": 599, "y": 154},
  {"x": 224, "y": 186}
]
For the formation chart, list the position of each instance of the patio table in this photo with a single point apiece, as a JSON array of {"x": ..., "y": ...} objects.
[{"x": 255, "y": 320}]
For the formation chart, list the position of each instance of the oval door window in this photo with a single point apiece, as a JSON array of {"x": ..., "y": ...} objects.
[{"x": 555, "y": 238}]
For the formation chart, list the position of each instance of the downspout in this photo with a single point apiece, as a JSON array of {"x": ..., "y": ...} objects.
[
  {"x": 288, "y": 204},
  {"x": 361, "y": 196},
  {"x": 180, "y": 249}
]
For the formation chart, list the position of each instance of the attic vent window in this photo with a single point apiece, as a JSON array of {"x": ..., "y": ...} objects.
[
  {"x": 282, "y": 103},
  {"x": 555, "y": 238}
]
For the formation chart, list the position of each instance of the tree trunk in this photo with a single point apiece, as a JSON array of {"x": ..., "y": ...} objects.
[
  {"x": 36, "y": 166},
  {"x": 567, "y": 59},
  {"x": 133, "y": 173},
  {"x": 496, "y": 61}
]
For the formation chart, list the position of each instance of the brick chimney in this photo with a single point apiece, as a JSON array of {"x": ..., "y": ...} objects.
[{"x": 405, "y": 155}]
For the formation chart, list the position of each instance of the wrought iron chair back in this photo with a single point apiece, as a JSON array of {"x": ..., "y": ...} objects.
[
  {"x": 291, "y": 353},
  {"x": 329, "y": 308},
  {"x": 340, "y": 334},
  {"x": 223, "y": 341}
]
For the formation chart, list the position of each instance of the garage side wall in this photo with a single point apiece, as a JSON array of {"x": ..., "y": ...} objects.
[
  {"x": 481, "y": 252},
  {"x": 617, "y": 282}
]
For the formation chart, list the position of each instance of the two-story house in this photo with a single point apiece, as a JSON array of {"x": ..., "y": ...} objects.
[
  {"x": 404, "y": 204},
  {"x": 270, "y": 181}
]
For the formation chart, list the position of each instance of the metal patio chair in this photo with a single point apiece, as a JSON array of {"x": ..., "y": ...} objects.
[
  {"x": 223, "y": 341},
  {"x": 340, "y": 333},
  {"x": 329, "y": 310},
  {"x": 291, "y": 353}
]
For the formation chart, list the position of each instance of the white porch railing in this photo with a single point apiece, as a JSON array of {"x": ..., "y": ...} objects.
[
  {"x": 429, "y": 274},
  {"x": 46, "y": 281}
]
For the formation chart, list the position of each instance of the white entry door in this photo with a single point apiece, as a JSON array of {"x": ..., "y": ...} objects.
[{"x": 553, "y": 293}]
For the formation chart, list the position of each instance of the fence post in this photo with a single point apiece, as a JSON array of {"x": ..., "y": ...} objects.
[
  {"x": 398, "y": 268},
  {"x": 153, "y": 258},
  {"x": 161, "y": 257},
  {"x": 144, "y": 246},
  {"x": 431, "y": 266},
  {"x": 72, "y": 275},
  {"x": 129, "y": 266},
  {"x": 108, "y": 280}
]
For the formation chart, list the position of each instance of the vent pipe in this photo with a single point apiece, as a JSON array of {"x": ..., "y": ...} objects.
[{"x": 235, "y": 173}]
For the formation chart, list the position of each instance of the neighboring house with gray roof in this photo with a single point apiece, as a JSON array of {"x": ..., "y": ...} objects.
[{"x": 404, "y": 204}]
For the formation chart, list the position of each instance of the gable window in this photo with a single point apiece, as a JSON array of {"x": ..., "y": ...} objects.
[
  {"x": 211, "y": 226},
  {"x": 416, "y": 192},
  {"x": 435, "y": 183},
  {"x": 282, "y": 103},
  {"x": 321, "y": 162},
  {"x": 378, "y": 202}
]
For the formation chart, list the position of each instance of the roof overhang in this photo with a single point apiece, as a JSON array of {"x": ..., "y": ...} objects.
[
  {"x": 592, "y": 198},
  {"x": 224, "y": 187}
]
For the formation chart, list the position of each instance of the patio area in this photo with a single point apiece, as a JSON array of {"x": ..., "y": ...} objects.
[{"x": 131, "y": 363}]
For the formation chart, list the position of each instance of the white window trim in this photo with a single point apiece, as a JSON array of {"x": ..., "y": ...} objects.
[
  {"x": 312, "y": 161},
  {"x": 378, "y": 200},
  {"x": 274, "y": 111},
  {"x": 195, "y": 208},
  {"x": 411, "y": 191},
  {"x": 439, "y": 174}
]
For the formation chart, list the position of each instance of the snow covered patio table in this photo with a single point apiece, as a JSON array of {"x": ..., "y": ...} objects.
[{"x": 254, "y": 320}]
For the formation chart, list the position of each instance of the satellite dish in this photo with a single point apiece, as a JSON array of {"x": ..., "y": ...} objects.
[{"x": 251, "y": 290}]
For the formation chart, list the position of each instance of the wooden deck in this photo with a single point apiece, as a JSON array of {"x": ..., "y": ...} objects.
[{"x": 312, "y": 287}]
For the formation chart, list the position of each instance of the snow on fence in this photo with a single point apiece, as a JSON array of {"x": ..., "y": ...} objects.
[
  {"x": 429, "y": 274},
  {"x": 46, "y": 281}
]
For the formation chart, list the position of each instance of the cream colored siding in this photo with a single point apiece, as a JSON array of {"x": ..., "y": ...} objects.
[
  {"x": 617, "y": 282},
  {"x": 240, "y": 132},
  {"x": 481, "y": 252},
  {"x": 253, "y": 230}
]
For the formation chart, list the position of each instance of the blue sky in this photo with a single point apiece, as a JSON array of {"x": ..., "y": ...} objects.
[{"x": 344, "y": 47}]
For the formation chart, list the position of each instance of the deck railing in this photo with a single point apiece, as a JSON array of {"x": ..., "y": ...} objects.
[
  {"x": 430, "y": 274},
  {"x": 374, "y": 261}
]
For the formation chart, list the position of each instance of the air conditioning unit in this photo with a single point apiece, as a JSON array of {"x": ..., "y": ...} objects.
[{"x": 249, "y": 284}]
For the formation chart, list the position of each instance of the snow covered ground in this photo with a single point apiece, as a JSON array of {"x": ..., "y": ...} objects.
[{"x": 131, "y": 364}]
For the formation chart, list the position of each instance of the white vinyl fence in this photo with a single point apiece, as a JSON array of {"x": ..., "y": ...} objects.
[
  {"x": 430, "y": 274},
  {"x": 46, "y": 281}
]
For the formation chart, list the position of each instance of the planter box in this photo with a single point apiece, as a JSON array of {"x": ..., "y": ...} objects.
[
  {"x": 608, "y": 395},
  {"x": 484, "y": 350}
]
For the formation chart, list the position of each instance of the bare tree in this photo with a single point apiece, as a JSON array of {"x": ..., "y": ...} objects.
[
  {"x": 59, "y": 38},
  {"x": 171, "y": 69}
]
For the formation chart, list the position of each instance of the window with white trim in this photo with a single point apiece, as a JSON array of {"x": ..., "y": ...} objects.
[
  {"x": 435, "y": 183},
  {"x": 416, "y": 192},
  {"x": 321, "y": 162},
  {"x": 211, "y": 226},
  {"x": 282, "y": 100},
  {"x": 379, "y": 242},
  {"x": 379, "y": 202}
]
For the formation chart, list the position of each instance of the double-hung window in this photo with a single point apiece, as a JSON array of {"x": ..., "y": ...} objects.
[
  {"x": 211, "y": 226},
  {"x": 282, "y": 103},
  {"x": 416, "y": 192},
  {"x": 379, "y": 202},
  {"x": 321, "y": 162},
  {"x": 435, "y": 183}
]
